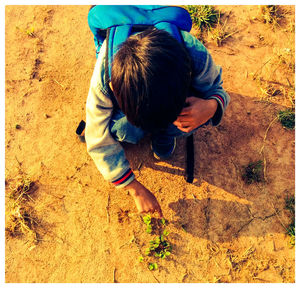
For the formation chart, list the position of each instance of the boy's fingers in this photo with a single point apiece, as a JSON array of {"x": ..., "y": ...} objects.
[
  {"x": 186, "y": 129},
  {"x": 185, "y": 111},
  {"x": 179, "y": 124}
]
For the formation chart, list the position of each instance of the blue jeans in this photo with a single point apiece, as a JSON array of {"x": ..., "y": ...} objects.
[{"x": 122, "y": 131}]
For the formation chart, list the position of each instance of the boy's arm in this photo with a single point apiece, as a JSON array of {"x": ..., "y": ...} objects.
[
  {"x": 107, "y": 153},
  {"x": 207, "y": 76}
]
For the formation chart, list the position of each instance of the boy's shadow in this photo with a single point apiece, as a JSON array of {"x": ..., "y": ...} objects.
[{"x": 221, "y": 154}]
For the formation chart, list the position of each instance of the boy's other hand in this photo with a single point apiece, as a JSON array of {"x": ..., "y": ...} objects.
[
  {"x": 144, "y": 200},
  {"x": 198, "y": 112}
]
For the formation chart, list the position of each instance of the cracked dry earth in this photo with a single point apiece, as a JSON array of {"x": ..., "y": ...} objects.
[{"x": 221, "y": 229}]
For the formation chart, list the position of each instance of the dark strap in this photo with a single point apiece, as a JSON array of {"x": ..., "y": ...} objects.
[
  {"x": 107, "y": 78},
  {"x": 190, "y": 159}
]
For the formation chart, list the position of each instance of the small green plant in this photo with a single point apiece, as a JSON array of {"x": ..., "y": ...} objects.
[
  {"x": 152, "y": 266},
  {"x": 287, "y": 118},
  {"x": 147, "y": 221},
  {"x": 290, "y": 206},
  {"x": 159, "y": 247},
  {"x": 204, "y": 16},
  {"x": 29, "y": 31},
  {"x": 141, "y": 259},
  {"x": 253, "y": 172}
]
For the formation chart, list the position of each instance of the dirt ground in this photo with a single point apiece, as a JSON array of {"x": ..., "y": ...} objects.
[{"x": 233, "y": 232}]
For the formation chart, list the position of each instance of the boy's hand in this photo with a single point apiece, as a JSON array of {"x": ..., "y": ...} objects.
[
  {"x": 196, "y": 113},
  {"x": 144, "y": 200}
]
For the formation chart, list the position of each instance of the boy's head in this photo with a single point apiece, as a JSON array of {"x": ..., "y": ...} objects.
[{"x": 150, "y": 77}]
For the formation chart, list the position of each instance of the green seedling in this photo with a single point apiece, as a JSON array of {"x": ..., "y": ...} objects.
[
  {"x": 287, "y": 118},
  {"x": 147, "y": 220},
  {"x": 29, "y": 31},
  {"x": 203, "y": 16},
  {"x": 141, "y": 259},
  {"x": 253, "y": 172},
  {"x": 160, "y": 247},
  {"x": 152, "y": 266}
]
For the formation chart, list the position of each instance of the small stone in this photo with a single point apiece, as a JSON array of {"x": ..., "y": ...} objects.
[
  {"x": 46, "y": 116},
  {"x": 18, "y": 126}
]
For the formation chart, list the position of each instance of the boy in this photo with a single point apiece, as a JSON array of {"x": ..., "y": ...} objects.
[{"x": 159, "y": 86}]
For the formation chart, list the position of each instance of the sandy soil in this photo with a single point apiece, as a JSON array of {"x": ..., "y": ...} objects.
[{"x": 233, "y": 231}]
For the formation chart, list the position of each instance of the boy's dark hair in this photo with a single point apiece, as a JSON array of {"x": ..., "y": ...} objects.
[{"x": 150, "y": 77}]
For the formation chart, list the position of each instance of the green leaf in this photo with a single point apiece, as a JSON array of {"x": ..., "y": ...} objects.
[
  {"x": 155, "y": 266},
  {"x": 149, "y": 229},
  {"x": 165, "y": 243},
  {"x": 167, "y": 253},
  {"x": 141, "y": 258},
  {"x": 166, "y": 233},
  {"x": 163, "y": 221},
  {"x": 147, "y": 219}
]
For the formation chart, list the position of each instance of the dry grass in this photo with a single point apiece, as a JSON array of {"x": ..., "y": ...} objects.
[
  {"x": 221, "y": 32},
  {"x": 271, "y": 15},
  {"x": 20, "y": 219},
  {"x": 237, "y": 261}
]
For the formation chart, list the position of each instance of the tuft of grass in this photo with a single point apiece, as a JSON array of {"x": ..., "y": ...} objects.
[
  {"x": 237, "y": 261},
  {"x": 284, "y": 58},
  {"x": 271, "y": 14},
  {"x": 253, "y": 172},
  {"x": 275, "y": 77},
  {"x": 287, "y": 118},
  {"x": 203, "y": 16},
  {"x": 290, "y": 206},
  {"x": 220, "y": 32},
  {"x": 20, "y": 219},
  {"x": 269, "y": 91}
]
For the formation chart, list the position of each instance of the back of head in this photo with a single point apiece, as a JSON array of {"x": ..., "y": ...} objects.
[{"x": 150, "y": 76}]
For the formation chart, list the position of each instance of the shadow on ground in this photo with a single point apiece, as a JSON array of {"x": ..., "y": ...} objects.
[{"x": 232, "y": 208}]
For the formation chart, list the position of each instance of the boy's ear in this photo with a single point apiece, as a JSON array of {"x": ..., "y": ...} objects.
[{"x": 110, "y": 86}]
